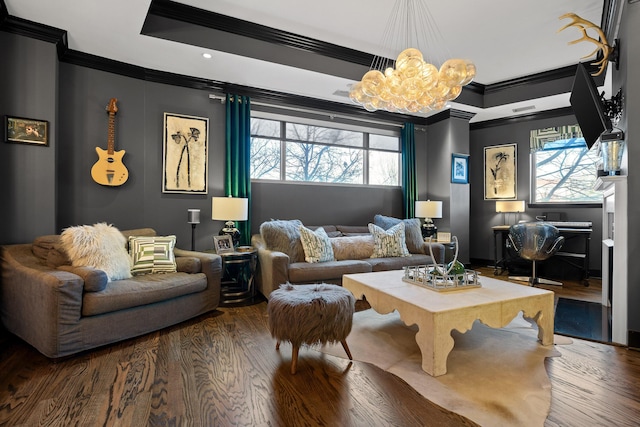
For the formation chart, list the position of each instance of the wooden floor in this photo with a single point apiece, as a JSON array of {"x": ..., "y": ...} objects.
[{"x": 222, "y": 369}]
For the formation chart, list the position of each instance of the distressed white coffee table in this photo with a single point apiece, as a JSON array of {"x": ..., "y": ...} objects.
[{"x": 436, "y": 314}]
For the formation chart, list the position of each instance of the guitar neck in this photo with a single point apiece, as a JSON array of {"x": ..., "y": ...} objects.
[{"x": 111, "y": 133}]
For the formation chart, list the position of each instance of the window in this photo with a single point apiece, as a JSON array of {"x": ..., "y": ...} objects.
[
  {"x": 310, "y": 152},
  {"x": 564, "y": 171}
]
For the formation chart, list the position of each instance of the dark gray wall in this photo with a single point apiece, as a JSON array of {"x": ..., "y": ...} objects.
[
  {"x": 483, "y": 212},
  {"x": 443, "y": 139},
  {"x": 28, "y": 88},
  {"x": 84, "y": 95}
]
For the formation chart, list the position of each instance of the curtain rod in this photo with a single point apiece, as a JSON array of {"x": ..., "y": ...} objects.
[{"x": 330, "y": 115}]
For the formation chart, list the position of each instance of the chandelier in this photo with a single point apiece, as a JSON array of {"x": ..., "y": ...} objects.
[{"x": 410, "y": 84}]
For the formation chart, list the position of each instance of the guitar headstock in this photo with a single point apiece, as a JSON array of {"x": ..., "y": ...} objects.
[{"x": 112, "y": 108}]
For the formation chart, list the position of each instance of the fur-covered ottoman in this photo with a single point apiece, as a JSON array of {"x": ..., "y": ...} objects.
[{"x": 310, "y": 314}]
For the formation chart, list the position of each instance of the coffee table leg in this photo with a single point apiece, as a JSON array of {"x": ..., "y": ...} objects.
[
  {"x": 435, "y": 344},
  {"x": 545, "y": 322}
]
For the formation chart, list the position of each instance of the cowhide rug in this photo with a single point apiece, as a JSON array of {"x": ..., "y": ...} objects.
[{"x": 495, "y": 377}]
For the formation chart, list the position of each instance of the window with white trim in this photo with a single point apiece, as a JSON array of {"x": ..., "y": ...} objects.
[
  {"x": 563, "y": 170},
  {"x": 313, "y": 152}
]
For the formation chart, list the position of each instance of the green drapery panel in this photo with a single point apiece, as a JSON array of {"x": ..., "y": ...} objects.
[
  {"x": 409, "y": 190},
  {"x": 238, "y": 156}
]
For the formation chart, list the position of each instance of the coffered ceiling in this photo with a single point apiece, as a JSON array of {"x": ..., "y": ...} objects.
[{"x": 317, "y": 49}]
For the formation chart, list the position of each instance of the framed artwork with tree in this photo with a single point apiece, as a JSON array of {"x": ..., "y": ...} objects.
[
  {"x": 500, "y": 172},
  {"x": 185, "y": 163}
]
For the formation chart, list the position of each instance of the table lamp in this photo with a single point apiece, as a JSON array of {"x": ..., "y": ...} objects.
[
  {"x": 509, "y": 206},
  {"x": 230, "y": 209},
  {"x": 193, "y": 218},
  {"x": 428, "y": 209}
]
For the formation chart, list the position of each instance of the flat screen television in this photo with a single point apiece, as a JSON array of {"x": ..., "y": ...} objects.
[{"x": 588, "y": 107}]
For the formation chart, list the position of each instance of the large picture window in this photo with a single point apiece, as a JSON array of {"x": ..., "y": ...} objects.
[
  {"x": 302, "y": 152},
  {"x": 563, "y": 170}
]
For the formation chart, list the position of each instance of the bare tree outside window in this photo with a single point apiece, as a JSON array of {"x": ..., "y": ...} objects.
[
  {"x": 321, "y": 154},
  {"x": 565, "y": 176}
]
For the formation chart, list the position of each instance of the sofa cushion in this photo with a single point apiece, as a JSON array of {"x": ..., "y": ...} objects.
[
  {"x": 100, "y": 246},
  {"x": 352, "y": 247},
  {"x": 397, "y": 263},
  {"x": 141, "y": 290},
  {"x": 412, "y": 231},
  {"x": 389, "y": 243},
  {"x": 353, "y": 230},
  {"x": 152, "y": 254},
  {"x": 283, "y": 236},
  {"x": 304, "y": 272},
  {"x": 316, "y": 245}
]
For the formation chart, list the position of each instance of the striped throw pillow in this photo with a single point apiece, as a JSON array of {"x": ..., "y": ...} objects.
[{"x": 152, "y": 254}]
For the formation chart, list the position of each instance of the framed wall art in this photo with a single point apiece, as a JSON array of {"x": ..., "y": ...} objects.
[
  {"x": 26, "y": 131},
  {"x": 500, "y": 174},
  {"x": 459, "y": 168},
  {"x": 185, "y": 162}
]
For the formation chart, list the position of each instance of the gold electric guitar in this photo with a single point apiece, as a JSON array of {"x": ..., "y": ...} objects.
[{"x": 109, "y": 169}]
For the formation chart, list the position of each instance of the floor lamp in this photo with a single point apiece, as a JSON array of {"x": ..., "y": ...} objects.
[{"x": 193, "y": 216}]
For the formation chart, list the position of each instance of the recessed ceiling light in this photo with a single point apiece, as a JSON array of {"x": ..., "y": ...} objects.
[{"x": 206, "y": 55}]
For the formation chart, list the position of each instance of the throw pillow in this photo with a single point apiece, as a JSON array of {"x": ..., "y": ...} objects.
[
  {"x": 412, "y": 231},
  {"x": 99, "y": 246},
  {"x": 283, "y": 236},
  {"x": 152, "y": 254},
  {"x": 388, "y": 243},
  {"x": 352, "y": 247},
  {"x": 316, "y": 244}
]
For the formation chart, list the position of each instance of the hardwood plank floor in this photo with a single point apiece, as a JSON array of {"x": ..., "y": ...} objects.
[{"x": 222, "y": 369}]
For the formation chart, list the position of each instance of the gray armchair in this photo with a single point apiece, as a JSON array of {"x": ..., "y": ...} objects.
[{"x": 535, "y": 241}]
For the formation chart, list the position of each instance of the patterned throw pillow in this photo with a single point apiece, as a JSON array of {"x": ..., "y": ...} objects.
[
  {"x": 412, "y": 231},
  {"x": 152, "y": 254},
  {"x": 389, "y": 243},
  {"x": 316, "y": 244}
]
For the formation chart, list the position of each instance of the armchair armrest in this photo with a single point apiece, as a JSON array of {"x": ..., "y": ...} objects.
[
  {"x": 273, "y": 268},
  {"x": 38, "y": 304},
  {"x": 210, "y": 265}
]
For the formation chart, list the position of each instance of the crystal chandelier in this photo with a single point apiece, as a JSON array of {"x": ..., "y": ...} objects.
[{"x": 411, "y": 84}]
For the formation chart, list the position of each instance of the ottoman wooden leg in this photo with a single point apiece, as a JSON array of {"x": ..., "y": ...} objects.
[
  {"x": 346, "y": 348},
  {"x": 294, "y": 359}
]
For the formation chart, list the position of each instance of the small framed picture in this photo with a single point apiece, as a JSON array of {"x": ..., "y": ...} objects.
[
  {"x": 223, "y": 244},
  {"x": 460, "y": 168},
  {"x": 26, "y": 131}
]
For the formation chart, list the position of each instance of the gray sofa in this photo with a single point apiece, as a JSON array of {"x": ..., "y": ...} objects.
[
  {"x": 280, "y": 262},
  {"x": 57, "y": 309}
]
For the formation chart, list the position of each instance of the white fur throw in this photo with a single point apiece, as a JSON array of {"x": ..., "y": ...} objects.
[
  {"x": 100, "y": 246},
  {"x": 310, "y": 314}
]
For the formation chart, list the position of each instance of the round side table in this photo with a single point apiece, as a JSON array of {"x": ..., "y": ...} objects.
[{"x": 238, "y": 285}]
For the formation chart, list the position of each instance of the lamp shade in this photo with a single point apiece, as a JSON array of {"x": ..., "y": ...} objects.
[
  {"x": 510, "y": 206},
  {"x": 193, "y": 216},
  {"x": 428, "y": 209},
  {"x": 229, "y": 208}
]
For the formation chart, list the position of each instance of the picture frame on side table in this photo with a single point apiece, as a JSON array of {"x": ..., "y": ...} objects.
[
  {"x": 223, "y": 244},
  {"x": 459, "y": 168},
  {"x": 500, "y": 172},
  {"x": 185, "y": 165},
  {"x": 21, "y": 130}
]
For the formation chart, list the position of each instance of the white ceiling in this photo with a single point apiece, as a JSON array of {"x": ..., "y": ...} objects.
[{"x": 506, "y": 39}]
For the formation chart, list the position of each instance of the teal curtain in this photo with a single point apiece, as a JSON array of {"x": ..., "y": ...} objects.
[
  {"x": 409, "y": 190},
  {"x": 238, "y": 156}
]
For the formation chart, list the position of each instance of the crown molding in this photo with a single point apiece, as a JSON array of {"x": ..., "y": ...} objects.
[{"x": 547, "y": 114}]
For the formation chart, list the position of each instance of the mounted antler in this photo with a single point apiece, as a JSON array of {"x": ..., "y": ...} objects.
[{"x": 602, "y": 44}]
